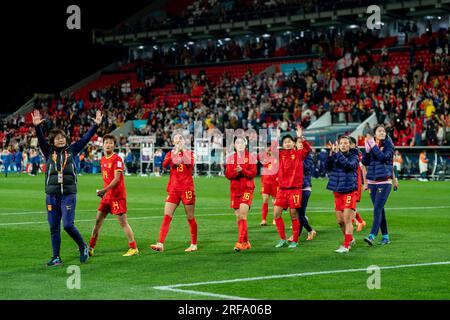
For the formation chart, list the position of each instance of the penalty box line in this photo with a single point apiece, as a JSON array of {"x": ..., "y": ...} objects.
[
  {"x": 314, "y": 210},
  {"x": 175, "y": 287},
  {"x": 201, "y": 215}
]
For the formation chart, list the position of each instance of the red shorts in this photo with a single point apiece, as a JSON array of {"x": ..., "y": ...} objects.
[
  {"x": 245, "y": 198},
  {"x": 289, "y": 198},
  {"x": 186, "y": 197},
  {"x": 345, "y": 200},
  {"x": 270, "y": 188},
  {"x": 113, "y": 206}
]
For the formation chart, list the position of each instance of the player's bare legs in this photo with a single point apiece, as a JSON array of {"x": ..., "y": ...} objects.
[
  {"x": 295, "y": 227},
  {"x": 345, "y": 221},
  {"x": 189, "y": 209},
  {"x": 265, "y": 209},
  {"x": 169, "y": 210},
  {"x": 241, "y": 218},
  {"x": 101, "y": 216},
  {"x": 277, "y": 211},
  {"x": 123, "y": 222}
]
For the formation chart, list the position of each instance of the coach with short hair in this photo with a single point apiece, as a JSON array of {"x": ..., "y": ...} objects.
[{"x": 61, "y": 183}]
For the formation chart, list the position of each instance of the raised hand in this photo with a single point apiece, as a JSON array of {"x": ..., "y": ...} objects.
[
  {"x": 299, "y": 131},
  {"x": 37, "y": 119},
  {"x": 98, "y": 117}
]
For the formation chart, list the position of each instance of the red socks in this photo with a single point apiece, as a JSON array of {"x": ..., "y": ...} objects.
[
  {"x": 280, "y": 227},
  {"x": 295, "y": 229},
  {"x": 242, "y": 231},
  {"x": 358, "y": 218},
  {"x": 164, "y": 228},
  {"x": 265, "y": 210},
  {"x": 132, "y": 245},
  {"x": 193, "y": 228},
  {"x": 92, "y": 242},
  {"x": 245, "y": 231},
  {"x": 347, "y": 239}
]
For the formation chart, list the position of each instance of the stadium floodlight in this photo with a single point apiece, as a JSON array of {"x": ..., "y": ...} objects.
[
  {"x": 227, "y": 39},
  {"x": 353, "y": 26},
  {"x": 266, "y": 35},
  {"x": 439, "y": 17},
  {"x": 141, "y": 47},
  {"x": 155, "y": 47},
  {"x": 190, "y": 43}
]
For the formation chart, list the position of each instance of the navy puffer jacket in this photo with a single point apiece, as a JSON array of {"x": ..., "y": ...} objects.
[
  {"x": 379, "y": 161},
  {"x": 308, "y": 169},
  {"x": 342, "y": 170}
]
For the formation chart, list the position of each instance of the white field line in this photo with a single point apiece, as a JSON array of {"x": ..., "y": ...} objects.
[
  {"x": 95, "y": 210},
  {"x": 204, "y": 215},
  {"x": 176, "y": 287},
  {"x": 320, "y": 210}
]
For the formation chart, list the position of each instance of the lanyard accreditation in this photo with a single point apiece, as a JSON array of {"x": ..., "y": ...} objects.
[{"x": 63, "y": 165}]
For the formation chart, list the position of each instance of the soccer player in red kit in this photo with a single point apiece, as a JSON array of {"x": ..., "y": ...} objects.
[
  {"x": 361, "y": 172},
  {"x": 179, "y": 188},
  {"x": 290, "y": 179},
  {"x": 269, "y": 180},
  {"x": 114, "y": 197},
  {"x": 240, "y": 169}
]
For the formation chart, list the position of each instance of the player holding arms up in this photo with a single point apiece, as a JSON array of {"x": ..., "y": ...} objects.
[
  {"x": 179, "y": 188},
  {"x": 241, "y": 170},
  {"x": 290, "y": 179},
  {"x": 379, "y": 162},
  {"x": 342, "y": 165},
  {"x": 61, "y": 184},
  {"x": 269, "y": 180},
  {"x": 113, "y": 196}
]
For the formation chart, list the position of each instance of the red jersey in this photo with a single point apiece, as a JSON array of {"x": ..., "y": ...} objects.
[
  {"x": 269, "y": 174},
  {"x": 181, "y": 166},
  {"x": 241, "y": 181},
  {"x": 111, "y": 165},
  {"x": 290, "y": 172},
  {"x": 358, "y": 170}
]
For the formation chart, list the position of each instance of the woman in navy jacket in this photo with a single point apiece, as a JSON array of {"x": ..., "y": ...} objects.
[
  {"x": 378, "y": 159},
  {"x": 342, "y": 166}
]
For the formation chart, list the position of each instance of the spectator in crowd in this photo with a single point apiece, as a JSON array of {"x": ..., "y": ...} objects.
[
  {"x": 398, "y": 163},
  {"x": 423, "y": 166},
  {"x": 18, "y": 159},
  {"x": 6, "y": 158}
]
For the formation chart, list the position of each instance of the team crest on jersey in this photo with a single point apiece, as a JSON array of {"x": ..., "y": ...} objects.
[
  {"x": 109, "y": 165},
  {"x": 49, "y": 207},
  {"x": 293, "y": 157}
]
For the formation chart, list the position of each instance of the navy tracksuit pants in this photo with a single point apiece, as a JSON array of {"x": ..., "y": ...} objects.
[
  {"x": 62, "y": 207},
  {"x": 302, "y": 212},
  {"x": 379, "y": 194}
]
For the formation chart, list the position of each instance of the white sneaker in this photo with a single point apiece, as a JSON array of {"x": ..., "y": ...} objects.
[
  {"x": 342, "y": 249},
  {"x": 157, "y": 247},
  {"x": 192, "y": 247}
]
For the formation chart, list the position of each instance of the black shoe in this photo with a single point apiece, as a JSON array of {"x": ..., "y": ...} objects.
[
  {"x": 84, "y": 254},
  {"x": 369, "y": 241},
  {"x": 54, "y": 262}
]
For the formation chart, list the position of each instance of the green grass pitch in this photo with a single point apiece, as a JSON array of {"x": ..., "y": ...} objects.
[{"x": 418, "y": 217}]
